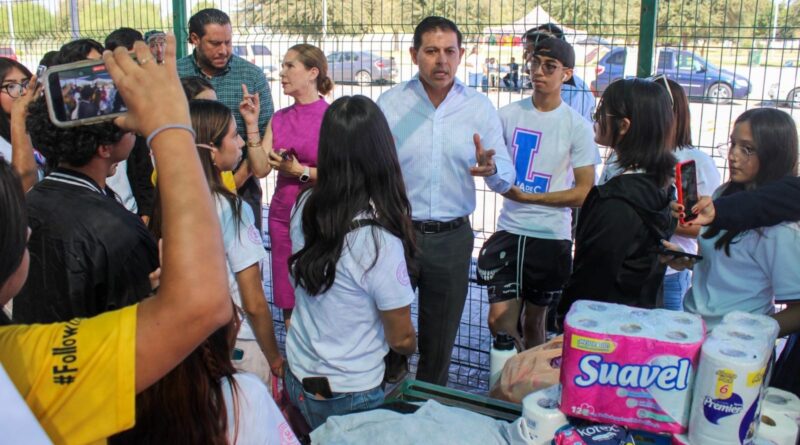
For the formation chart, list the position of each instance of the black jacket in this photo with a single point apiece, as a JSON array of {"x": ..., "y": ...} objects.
[
  {"x": 621, "y": 224},
  {"x": 771, "y": 203},
  {"x": 140, "y": 172},
  {"x": 88, "y": 253}
]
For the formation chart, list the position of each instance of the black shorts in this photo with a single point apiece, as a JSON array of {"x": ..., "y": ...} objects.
[{"x": 516, "y": 266}]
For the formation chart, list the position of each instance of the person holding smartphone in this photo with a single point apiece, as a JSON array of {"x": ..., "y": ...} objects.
[
  {"x": 80, "y": 377},
  {"x": 352, "y": 243},
  {"x": 749, "y": 270},
  {"x": 707, "y": 179},
  {"x": 290, "y": 143}
]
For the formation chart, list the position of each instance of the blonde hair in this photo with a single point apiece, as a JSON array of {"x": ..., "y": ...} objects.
[{"x": 312, "y": 57}]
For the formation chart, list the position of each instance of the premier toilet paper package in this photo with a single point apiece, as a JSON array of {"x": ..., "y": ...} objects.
[
  {"x": 730, "y": 380},
  {"x": 630, "y": 366}
]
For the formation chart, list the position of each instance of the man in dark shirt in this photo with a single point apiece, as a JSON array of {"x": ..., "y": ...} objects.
[
  {"x": 211, "y": 34},
  {"x": 88, "y": 253}
]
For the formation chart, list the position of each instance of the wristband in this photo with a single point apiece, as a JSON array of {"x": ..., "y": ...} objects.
[
  {"x": 169, "y": 127},
  {"x": 254, "y": 144}
]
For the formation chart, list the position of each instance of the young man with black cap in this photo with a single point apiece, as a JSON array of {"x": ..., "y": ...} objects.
[
  {"x": 577, "y": 93},
  {"x": 529, "y": 259}
]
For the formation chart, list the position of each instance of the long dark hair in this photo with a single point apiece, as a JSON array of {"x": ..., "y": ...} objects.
[
  {"x": 6, "y": 65},
  {"x": 648, "y": 142},
  {"x": 683, "y": 117},
  {"x": 358, "y": 172},
  {"x": 13, "y": 225},
  {"x": 187, "y": 406},
  {"x": 210, "y": 120},
  {"x": 775, "y": 139}
]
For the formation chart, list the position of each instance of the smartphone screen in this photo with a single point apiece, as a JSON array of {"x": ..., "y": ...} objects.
[
  {"x": 687, "y": 190},
  {"x": 82, "y": 94}
]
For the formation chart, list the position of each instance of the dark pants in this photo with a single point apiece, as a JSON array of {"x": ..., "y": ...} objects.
[{"x": 443, "y": 280}]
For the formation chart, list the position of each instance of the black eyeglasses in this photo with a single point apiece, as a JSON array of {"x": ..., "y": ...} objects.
[
  {"x": 662, "y": 80},
  {"x": 547, "y": 68},
  {"x": 15, "y": 89}
]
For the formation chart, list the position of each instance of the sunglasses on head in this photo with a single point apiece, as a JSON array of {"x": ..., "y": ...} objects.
[{"x": 662, "y": 80}]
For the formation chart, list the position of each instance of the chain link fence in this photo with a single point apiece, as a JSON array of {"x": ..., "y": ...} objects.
[{"x": 730, "y": 55}]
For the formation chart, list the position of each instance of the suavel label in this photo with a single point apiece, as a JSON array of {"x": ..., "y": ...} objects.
[
  {"x": 593, "y": 344},
  {"x": 595, "y": 371}
]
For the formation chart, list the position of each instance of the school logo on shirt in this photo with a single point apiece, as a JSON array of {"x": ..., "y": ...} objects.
[
  {"x": 526, "y": 147},
  {"x": 402, "y": 274},
  {"x": 253, "y": 235}
]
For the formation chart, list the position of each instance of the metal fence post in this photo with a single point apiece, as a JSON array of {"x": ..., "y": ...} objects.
[
  {"x": 179, "y": 26},
  {"x": 647, "y": 37}
]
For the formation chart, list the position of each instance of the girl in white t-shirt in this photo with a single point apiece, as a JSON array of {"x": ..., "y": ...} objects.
[
  {"x": 352, "y": 240},
  {"x": 219, "y": 146},
  {"x": 753, "y": 269}
]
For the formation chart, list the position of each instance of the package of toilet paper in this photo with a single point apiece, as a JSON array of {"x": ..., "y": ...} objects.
[
  {"x": 630, "y": 366},
  {"x": 729, "y": 385}
]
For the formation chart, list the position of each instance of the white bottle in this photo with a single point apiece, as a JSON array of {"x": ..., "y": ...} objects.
[{"x": 502, "y": 349}]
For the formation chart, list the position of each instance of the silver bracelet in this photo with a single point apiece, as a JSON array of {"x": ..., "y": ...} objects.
[{"x": 169, "y": 127}]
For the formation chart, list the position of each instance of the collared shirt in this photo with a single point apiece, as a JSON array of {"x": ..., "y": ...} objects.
[
  {"x": 435, "y": 147},
  {"x": 579, "y": 97},
  {"x": 228, "y": 86}
]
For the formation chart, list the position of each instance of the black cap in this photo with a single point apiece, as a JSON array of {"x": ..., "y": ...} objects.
[{"x": 559, "y": 50}]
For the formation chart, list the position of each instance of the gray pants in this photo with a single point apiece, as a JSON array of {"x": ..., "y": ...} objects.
[{"x": 444, "y": 261}]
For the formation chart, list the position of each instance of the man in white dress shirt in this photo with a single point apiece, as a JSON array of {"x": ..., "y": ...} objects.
[{"x": 441, "y": 128}]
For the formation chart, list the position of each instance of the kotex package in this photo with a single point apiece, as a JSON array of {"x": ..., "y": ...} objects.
[
  {"x": 594, "y": 435},
  {"x": 630, "y": 366}
]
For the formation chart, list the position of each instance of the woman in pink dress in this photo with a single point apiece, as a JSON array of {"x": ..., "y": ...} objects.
[{"x": 291, "y": 142}]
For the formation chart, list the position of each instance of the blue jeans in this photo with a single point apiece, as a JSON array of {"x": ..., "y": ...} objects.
[
  {"x": 317, "y": 411},
  {"x": 675, "y": 287}
]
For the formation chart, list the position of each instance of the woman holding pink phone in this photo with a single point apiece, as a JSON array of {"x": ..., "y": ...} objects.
[{"x": 291, "y": 142}]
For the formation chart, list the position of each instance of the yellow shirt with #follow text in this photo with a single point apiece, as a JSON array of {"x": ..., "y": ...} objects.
[{"x": 77, "y": 377}]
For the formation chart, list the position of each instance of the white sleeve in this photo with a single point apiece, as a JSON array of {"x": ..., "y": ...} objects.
[
  {"x": 583, "y": 149},
  {"x": 778, "y": 253},
  {"x": 388, "y": 281},
  {"x": 247, "y": 247}
]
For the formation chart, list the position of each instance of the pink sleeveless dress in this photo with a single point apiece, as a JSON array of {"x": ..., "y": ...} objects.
[{"x": 294, "y": 127}]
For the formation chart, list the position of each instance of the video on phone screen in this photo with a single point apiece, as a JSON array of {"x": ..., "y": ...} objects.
[
  {"x": 689, "y": 185},
  {"x": 89, "y": 92}
]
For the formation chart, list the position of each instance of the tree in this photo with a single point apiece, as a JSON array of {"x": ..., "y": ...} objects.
[
  {"x": 202, "y": 4},
  {"x": 31, "y": 21}
]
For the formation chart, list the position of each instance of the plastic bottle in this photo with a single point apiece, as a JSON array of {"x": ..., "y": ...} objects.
[{"x": 502, "y": 349}]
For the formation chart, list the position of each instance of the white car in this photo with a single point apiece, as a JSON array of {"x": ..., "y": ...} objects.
[{"x": 787, "y": 88}]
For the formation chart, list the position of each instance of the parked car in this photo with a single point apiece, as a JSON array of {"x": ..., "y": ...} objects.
[
  {"x": 258, "y": 54},
  {"x": 787, "y": 88},
  {"x": 698, "y": 77},
  {"x": 7, "y": 52},
  {"x": 360, "y": 67}
]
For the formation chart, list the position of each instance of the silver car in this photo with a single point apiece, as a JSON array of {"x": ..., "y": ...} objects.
[{"x": 359, "y": 67}]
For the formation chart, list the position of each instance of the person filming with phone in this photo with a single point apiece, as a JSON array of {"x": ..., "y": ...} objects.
[{"x": 748, "y": 270}]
